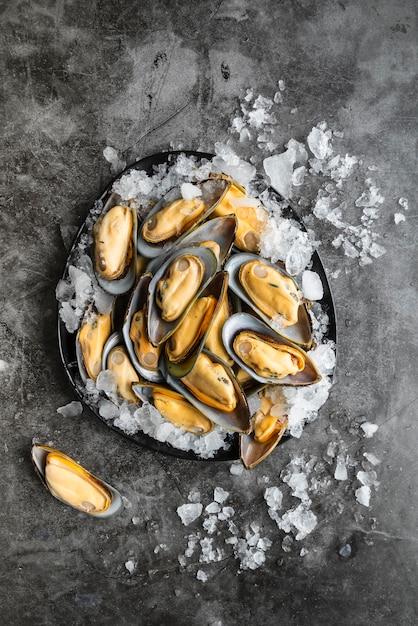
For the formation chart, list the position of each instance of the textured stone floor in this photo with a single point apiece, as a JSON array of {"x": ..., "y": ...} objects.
[{"x": 142, "y": 77}]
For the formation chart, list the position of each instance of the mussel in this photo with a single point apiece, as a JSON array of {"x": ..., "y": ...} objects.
[
  {"x": 116, "y": 360},
  {"x": 94, "y": 331},
  {"x": 251, "y": 216},
  {"x": 70, "y": 483},
  {"x": 265, "y": 355},
  {"x": 114, "y": 236}
]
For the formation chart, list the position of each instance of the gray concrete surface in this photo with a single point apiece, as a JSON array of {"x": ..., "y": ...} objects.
[{"x": 77, "y": 77}]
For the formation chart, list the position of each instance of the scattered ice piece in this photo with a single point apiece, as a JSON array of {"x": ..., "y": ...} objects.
[
  {"x": 273, "y": 497},
  {"x": 369, "y": 429},
  {"x": 370, "y": 197},
  {"x": 403, "y": 202},
  {"x": 279, "y": 169},
  {"x": 213, "y": 507},
  {"x": 298, "y": 176},
  {"x": 281, "y": 85},
  {"x": 190, "y": 191},
  {"x": 341, "y": 468},
  {"x": 220, "y": 495},
  {"x": 363, "y": 495},
  {"x": 236, "y": 468},
  {"x": 188, "y": 513},
  {"x": 226, "y": 513},
  {"x": 201, "y": 575},
  {"x": 107, "y": 381},
  {"x": 399, "y": 217},
  {"x": 111, "y": 155},
  {"x": 107, "y": 409},
  {"x": 194, "y": 496},
  {"x": 3, "y": 365},
  {"x": 318, "y": 142},
  {"x": 72, "y": 409},
  {"x": 300, "y": 518},
  {"x": 371, "y": 458},
  {"x": 210, "y": 524},
  {"x": 287, "y": 543},
  {"x": 130, "y": 566},
  {"x": 303, "y": 552},
  {"x": 312, "y": 286},
  {"x": 345, "y": 551},
  {"x": 367, "y": 478},
  {"x": 136, "y": 520}
]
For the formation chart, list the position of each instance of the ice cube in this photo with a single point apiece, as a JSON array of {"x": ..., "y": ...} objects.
[
  {"x": 73, "y": 409},
  {"x": 312, "y": 285},
  {"x": 188, "y": 513}
]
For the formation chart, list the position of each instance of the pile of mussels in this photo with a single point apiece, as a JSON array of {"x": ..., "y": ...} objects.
[{"x": 209, "y": 322}]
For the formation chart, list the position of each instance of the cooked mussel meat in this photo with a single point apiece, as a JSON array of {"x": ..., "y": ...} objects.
[
  {"x": 92, "y": 336},
  {"x": 70, "y": 483},
  {"x": 191, "y": 329},
  {"x": 113, "y": 242},
  {"x": 271, "y": 290},
  {"x": 178, "y": 286},
  {"x": 172, "y": 220},
  {"x": 266, "y": 357},
  {"x": 146, "y": 353},
  {"x": 176, "y": 409},
  {"x": 211, "y": 384},
  {"x": 118, "y": 362}
]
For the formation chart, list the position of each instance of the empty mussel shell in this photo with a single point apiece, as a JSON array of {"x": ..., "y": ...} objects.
[
  {"x": 291, "y": 319},
  {"x": 265, "y": 355},
  {"x": 70, "y": 483}
]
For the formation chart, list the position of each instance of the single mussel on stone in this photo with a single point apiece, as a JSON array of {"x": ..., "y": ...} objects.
[
  {"x": 94, "y": 331},
  {"x": 114, "y": 237},
  {"x": 116, "y": 360},
  {"x": 70, "y": 483},
  {"x": 251, "y": 215},
  {"x": 175, "y": 408},
  {"x": 265, "y": 355}
]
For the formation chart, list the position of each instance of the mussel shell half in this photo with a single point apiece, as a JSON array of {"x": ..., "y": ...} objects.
[
  {"x": 124, "y": 278},
  {"x": 237, "y": 420},
  {"x": 253, "y": 452},
  {"x": 181, "y": 414},
  {"x": 159, "y": 329},
  {"x": 217, "y": 288},
  {"x": 300, "y": 332},
  {"x": 94, "y": 331},
  {"x": 76, "y": 477},
  {"x": 138, "y": 300},
  {"x": 123, "y": 368},
  {"x": 244, "y": 321},
  {"x": 212, "y": 191}
]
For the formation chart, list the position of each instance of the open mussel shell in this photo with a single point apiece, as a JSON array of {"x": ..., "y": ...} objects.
[
  {"x": 174, "y": 407},
  {"x": 138, "y": 304},
  {"x": 299, "y": 332},
  {"x": 250, "y": 214},
  {"x": 216, "y": 289},
  {"x": 116, "y": 359},
  {"x": 218, "y": 230},
  {"x": 159, "y": 329},
  {"x": 237, "y": 420},
  {"x": 94, "y": 331},
  {"x": 211, "y": 192},
  {"x": 253, "y": 452},
  {"x": 70, "y": 483},
  {"x": 240, "y": 322},
  {"x": 114, "y": 246}
]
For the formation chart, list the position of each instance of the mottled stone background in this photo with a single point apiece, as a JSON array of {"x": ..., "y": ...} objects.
[{"x": 141, "y": 77}]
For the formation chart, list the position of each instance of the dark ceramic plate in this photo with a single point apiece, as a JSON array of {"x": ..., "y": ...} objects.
[{"x": 66, "y": 340}]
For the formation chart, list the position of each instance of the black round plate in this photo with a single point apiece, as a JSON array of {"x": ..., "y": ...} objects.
[{"x": 66, "y": 340}]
